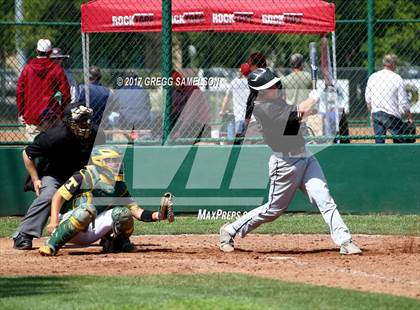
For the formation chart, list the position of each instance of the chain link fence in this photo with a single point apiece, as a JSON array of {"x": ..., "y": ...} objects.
[{"x": 128, "y": 94}]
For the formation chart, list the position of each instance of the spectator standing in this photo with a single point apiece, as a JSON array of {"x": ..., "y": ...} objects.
[
  {"x": 257, "y": 60},
  {"x": 58, "y": 57},
  {"x": 42, "y": 91},
  {"x": 98, "y": 94},
  {"x": 297, "y": 86},
  {"x": 332, "y": 101},
  {"x": 251, "y": 127},
  {"x": 62, "y": 150},
  {"x": 191, "y": 112},
  {"x": 132, "y": 104},
  {"x": 298, "y": 83},
  {"x": 237, "y": 93},
  {"x": 387, "y": 101}
]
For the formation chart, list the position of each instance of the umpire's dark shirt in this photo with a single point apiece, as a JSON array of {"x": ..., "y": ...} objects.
[
  {"x": 280, "y": 125},
  {"x": 62, "y": 153}
]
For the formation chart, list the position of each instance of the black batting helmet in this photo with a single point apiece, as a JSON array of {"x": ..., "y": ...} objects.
[{"x": 263, "y": 78}]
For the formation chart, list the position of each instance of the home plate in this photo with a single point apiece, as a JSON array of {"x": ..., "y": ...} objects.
[{"x": 281, "y": 257}]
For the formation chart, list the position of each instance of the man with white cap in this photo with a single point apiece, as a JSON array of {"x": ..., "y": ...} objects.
[
  {"x": 42, "y": 91},
  {"x": 58, "y": 57}
]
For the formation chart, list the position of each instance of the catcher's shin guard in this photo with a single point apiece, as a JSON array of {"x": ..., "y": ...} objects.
[
  {"x": 78, "y": 221},
  {"x": 61, "y": 235}
]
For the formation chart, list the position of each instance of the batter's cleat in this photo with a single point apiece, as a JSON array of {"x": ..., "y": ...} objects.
[
  {"x": 45, "y": 250},
  {"x": 226, "y": 240},
  {"x": 22, "y": 242},
  {"x": 350, "y": 248}
]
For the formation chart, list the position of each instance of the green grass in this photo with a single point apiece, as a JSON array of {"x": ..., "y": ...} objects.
[
  {"x": 212, "y": 291},
  {"x": 286, "y": 224}
]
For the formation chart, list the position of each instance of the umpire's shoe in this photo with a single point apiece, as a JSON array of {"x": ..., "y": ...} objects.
[
  {"x": 226, "y": 240},
  {"x": 22, "y": 242}
]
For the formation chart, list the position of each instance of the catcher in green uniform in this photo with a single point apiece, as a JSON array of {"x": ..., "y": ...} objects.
[{"x": 96, "y": 204}]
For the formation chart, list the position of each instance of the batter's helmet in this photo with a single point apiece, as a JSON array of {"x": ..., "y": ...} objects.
[{"x": 263, "y": 78}]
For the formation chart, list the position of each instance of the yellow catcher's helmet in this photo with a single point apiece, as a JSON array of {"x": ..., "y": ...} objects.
[{"x": 107, "y": 157}]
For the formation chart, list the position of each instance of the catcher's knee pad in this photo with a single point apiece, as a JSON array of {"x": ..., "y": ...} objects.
[
  {"x": 82, "y": 216},
  {"x": 123, "y": 224}
]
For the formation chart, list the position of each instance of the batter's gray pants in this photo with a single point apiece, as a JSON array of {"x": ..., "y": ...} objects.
[
  {"x": 286, "y": 176},
  {"x": 39, "y": 211}
]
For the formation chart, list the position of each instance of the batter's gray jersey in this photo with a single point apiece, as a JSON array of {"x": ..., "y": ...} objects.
[{"x": 291, "y": 167}]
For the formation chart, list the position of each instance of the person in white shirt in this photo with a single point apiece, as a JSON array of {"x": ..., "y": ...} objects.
[
  {"x": 238, "y": 92},
  {"x": 387, "y": 101}
]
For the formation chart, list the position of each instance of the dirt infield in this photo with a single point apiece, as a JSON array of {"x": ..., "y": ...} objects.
[{"x": 389, "y": 264}]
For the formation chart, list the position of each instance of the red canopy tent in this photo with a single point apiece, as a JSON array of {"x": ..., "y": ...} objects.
[
  {"x": 262, "y": 16},
  {"x": 254, "y": 16}
]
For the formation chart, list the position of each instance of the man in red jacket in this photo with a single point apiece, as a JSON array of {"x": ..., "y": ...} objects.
[{"x": 42, "y": 91}]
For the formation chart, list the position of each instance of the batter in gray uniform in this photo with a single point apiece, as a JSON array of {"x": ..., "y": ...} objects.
[{"x": 291, "y": 166}]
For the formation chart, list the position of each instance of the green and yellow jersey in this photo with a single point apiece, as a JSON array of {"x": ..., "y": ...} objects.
[{"x": 90, "y": 186}]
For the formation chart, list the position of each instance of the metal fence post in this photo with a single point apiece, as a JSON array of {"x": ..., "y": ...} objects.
[
  {"x": 20, "y": 53},
  {"x": 371, "y": 34},
  {"x": 167, "y": 65}
]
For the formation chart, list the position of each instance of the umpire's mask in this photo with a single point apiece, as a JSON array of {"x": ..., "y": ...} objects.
[{"x": 78, "y": 119}]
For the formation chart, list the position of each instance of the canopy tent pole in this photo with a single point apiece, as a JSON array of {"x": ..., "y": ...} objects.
[
  {"x": 334, "y": 59},
  {"x": 167, "y": 67},
  {"x": 85, "y": 52},
  {"x": 334, "y": 72}
]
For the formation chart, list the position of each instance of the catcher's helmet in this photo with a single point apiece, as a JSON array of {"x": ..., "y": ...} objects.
[
  {"x": 107, "y": 159},
  {"x": 78, "y": 119},
  {"x": 263, "y": 78}
]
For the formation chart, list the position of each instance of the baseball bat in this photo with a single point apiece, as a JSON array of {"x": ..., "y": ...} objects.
[
  {"x": 325, "y": 63},
  {"x": 314, "y": 63}
]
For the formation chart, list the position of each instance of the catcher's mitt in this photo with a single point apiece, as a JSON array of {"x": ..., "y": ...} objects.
[{"x": 166, "y": 210}]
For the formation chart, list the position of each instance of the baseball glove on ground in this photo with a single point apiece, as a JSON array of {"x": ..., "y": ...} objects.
[{"x": 166, "y": 210}]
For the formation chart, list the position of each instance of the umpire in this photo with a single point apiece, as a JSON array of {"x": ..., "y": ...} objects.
[{"x": 60, "y": 150}]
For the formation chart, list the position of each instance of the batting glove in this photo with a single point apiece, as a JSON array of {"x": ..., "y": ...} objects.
[{"x": 315, "y": 94}]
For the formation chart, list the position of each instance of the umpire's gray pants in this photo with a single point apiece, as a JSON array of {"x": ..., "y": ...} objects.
[
  {"x": 286, "y": 176},
  {"x": 37, "y": 215}
]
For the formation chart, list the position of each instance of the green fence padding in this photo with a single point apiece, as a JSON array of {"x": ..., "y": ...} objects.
[{"x": 362, "y": 178}]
